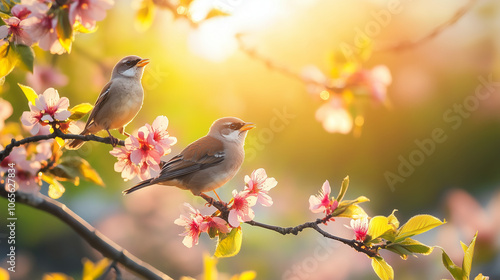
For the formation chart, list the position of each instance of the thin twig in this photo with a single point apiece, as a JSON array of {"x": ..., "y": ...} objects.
[
  {"x": 431, "y": 35},
  {"x": 57, "y": 133},
  {"x": 358, "y": 246},
  {"x": 93, "y": 237}
]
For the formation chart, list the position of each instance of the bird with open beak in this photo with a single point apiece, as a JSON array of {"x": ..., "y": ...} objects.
[
  {"x": 207, "y": 163},
  {"x": 119, "y": 102}
]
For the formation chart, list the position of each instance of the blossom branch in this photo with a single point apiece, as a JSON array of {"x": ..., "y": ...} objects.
[
  {"x": 434, "y": 33},
  {"x": 53, "y": 135},
  {"x": 358, "y": 246},
  {"x": 96, "y": 239}
]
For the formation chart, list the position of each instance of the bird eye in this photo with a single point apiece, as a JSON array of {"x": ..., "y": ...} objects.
[{"x": 234, "y": 126}]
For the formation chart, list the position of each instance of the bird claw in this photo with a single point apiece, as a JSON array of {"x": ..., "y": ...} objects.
[{"x": 114, "y": 141}]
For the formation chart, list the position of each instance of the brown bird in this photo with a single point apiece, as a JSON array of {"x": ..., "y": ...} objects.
[
  {"x": 208, "y": 163},
  {"x": 119, "y": 102}
]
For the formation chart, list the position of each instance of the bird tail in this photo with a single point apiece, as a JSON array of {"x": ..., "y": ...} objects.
[
  {"x": 77, "y": 143},
  {"x": 139, "y": 186}
]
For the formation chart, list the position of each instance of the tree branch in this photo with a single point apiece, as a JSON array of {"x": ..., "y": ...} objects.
[
  {"x": 434, "y": 33},
  {"x": 358, "y": 246},
  {"x": 96, "y": 239},
  {"x": 57, "y": 133}
]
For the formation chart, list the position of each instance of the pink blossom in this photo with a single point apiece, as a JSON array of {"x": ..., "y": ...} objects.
[
  {"x": 143, "y": 153},
  {"x": 360, "y": 228},
  {"x": 25, "y": 170},
  {"x": 161, "y": 139},
  {"x": 241, "y": 210},
  {"x": 19, "y": 29},
  {"x": 124, "y": 165},
  {"x": 192, "y": 224},
  {"x": 376, "y": 80},
  {"x": 315, "y": 79},
  {"x": 45, "y": 33},
  {"x": 48, "y": 108},
  {"x": 258, "y": 184},
  {"x": 5, "y": 112},
  {"x": 322, "y": 202},
  {"x": 44, "y": 77},
  {"x": 87, "y": 12},
  {"x": 334, "y": 117},
  {"x": 214, "y": 223}
]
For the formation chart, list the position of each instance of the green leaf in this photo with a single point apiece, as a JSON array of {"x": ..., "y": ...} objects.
[
  {"x": 230, "y": 245},
  {"x": 26, "y": 56},
  {"x": 64, "y": 29},
  {"x": 352, "y": 211},
  {"x": 215, "y": 13},
  {"x": 343, "y": 189},
  {"x": 80, "y": 110},
  {"x": 469, "y": 253},
  {"x": 73, "y": 167},
  {"x": 409, "y": 247},
  {"x": 398, "y": 249},
  {"x": 93, "y": 271},
  {"x": 416, "y": 225},
  {"x": 383, "y": 270},
  {"x": 8, "y": 60},
  {"x": 145, "y": 15},
  {"x": 381, "y": 226},
  {"x": 56, "y": 190},
  {"x": 29, "y": 93},
  {"x": 456, "y": 272}
]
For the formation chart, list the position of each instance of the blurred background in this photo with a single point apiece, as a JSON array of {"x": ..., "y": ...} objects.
[{"x": 198, "y": 74}]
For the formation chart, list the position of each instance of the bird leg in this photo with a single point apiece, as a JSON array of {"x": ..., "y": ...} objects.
[
  {"x": 114, "y": 141},
  {"x": 211, "y": 201},
  {"x": 122, "y": 131},
  {"x": 217, "y": 195}
]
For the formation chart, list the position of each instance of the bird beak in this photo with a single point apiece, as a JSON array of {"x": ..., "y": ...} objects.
[
  {"x": 143, "y": 62},
  {"x": 247, "y": 126}
]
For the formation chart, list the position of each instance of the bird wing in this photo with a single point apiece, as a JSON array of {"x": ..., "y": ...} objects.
[
  {"x": 99, "y": 102},
  {"x": 201, "y": 154}
]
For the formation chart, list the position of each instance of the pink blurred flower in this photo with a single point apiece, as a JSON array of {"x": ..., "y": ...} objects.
[
  {"x": 216, "y": 223},
  {"x": 44, "y": 77},
  {"x": 20, "y": 11},
  {"x": 360, "y": 228},
  {"x": 158, "y": 131},
  {"x": 334, "y": 116},
  {"x": 124, "y": 164},
  {"x": 48, "y": 108},
  {"x": 192, "y": 224},
  {"x": 314, "y": 78},
  {"x": 87, "y": 12},
  {"x": 241, "y": 210},
  {"x": 25, "y": 170},
  {"x": 5, "y": 112},
  {"x": 376, "y": 80},
  {"x": 322, "y": 202},
  {"x": 259, "y": 185},
  {"x": 45, "y": 33},
  {"x": 19, "y": 29}
]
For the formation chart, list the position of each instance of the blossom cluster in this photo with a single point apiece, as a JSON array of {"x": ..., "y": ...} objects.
[
  {"x": 340, "y": 91},
  {"x": 50, "y": 23},
  {"x": 142, "y": 152},
  {"x": 257, "y": 186}
]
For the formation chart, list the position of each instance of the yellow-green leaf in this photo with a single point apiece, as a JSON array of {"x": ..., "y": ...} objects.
[
  {"x": 93, "y": 271},
  {"x": 380, "y": 225},
  {"x": 210, "y": 268},
  {"x": 409, "y": 247},
  {"x": 64, "y": 29},
  {"x": 353, "y": 211},
  {"x": 78, "y": 27},
  {"x": 56, "y": 276},
  {"x": 469, "y": 253},
  {"x": 4, "y": 274},
  {"x": 25, "y": 55},
  {"x": 216, "y": 13},
  {"x": 343, "y": 189},
  {"x": 77, "y": 166},
  {"x": 383, "y": 270},
  {"x": 393, "y": 220},
  {"x": 481, "y": 277},
  {"x": 417, "y": 225},
  {"x": 145, "y": 15},
  {"x": 29, "y": 93},
  {"x": 230, "y": 245},
  {"x": 246, "y": 275},
  {"x": 8, "y": 60},
  {"x": 80, "y": 110},
  {"x": 455, "y": 271}
]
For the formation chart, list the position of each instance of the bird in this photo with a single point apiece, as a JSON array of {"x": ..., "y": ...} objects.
[
  {"x": 207, "y": 163},
  {"x": 119, "y": 102}
]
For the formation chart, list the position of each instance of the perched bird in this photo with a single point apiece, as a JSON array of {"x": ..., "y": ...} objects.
[
  {"x": 119, "y": 102},
  {"x": 208, "y": 163}
]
